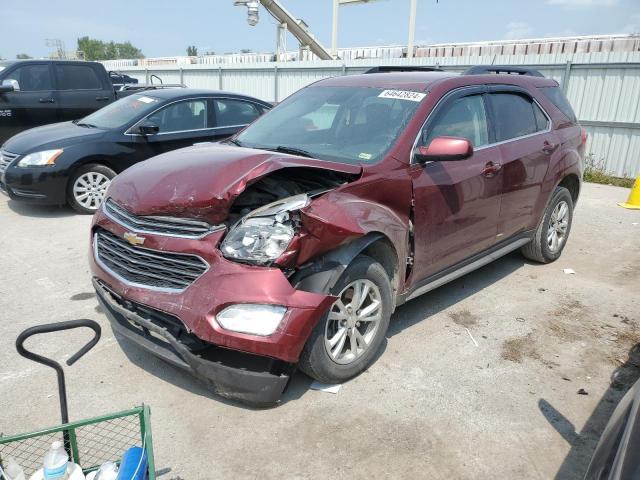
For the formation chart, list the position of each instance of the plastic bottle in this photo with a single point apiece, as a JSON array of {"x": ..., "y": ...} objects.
[
  {"x": 56, "y": 462},
  {"x": 14, "y": 471},
  {"x": 107, "y": 471}
]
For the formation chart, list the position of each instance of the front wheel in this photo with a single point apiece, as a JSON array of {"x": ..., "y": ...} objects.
[
  {"x": 88, "y": 187},
  {"x": 347, "y": 338},
  {"x": 551, "y": 235}
]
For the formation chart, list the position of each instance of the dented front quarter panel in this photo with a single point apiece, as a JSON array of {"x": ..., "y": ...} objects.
[{"x": 374, "y": 203}]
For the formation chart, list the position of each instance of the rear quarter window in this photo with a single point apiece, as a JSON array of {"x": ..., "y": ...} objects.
[{"x": 558, "y": 98}]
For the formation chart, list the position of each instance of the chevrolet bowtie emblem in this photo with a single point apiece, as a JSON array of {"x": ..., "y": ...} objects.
[{"x": 133, "y": 239}]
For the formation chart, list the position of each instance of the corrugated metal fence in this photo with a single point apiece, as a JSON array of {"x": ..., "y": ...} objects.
[{"x": 604, "y": 89}]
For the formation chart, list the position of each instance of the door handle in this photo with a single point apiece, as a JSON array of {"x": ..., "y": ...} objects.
[
  {"x": 47, "y": 100},
  {"x": 548, "y": 147},
  {"x": 491, "y": 169},
  {"x": 102, "y": 99}
]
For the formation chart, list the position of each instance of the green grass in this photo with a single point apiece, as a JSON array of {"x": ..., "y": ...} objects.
[{"x": 595, "y": 173}]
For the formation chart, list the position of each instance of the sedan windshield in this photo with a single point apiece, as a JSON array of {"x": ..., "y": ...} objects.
[
  {"x": 343, "y": 124},
  {"x": 120, "y": 113}
]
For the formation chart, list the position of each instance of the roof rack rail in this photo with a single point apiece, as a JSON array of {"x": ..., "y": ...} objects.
[
  {"x": 403, "y": 68},
  {"x": 484, "y": 69},
  {"x": 151, "y": 86}
]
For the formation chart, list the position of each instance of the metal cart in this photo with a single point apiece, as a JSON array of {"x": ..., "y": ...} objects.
[{"x": 89, "y": 443}]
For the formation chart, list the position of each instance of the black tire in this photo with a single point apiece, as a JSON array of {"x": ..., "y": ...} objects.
[
  {"x": 84, "y": 170},
  {"x": 315, "y": 361},
  {"x": 538, "y": 249}
]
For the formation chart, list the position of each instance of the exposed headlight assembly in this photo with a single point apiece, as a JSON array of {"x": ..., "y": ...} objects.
[
  {"x": 40, "y": 159},
  {"x": 264, "y": 234}
]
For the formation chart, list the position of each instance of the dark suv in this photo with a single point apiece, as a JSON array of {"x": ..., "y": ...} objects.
[{"x": 291, "y": 244}]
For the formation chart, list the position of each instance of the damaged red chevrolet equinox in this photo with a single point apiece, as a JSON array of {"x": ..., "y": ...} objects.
[{"x": 291, "y": 244}]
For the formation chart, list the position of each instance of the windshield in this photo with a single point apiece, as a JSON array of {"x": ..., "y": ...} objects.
[
  {"x": 344, "y": 124},
  {"x": 120, "y": 113}
]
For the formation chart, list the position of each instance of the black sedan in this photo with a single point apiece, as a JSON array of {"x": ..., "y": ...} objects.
[{"x": 74, "y": 162}]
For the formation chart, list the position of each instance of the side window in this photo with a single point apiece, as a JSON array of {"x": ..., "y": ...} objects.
[
  {"x": 230, "y": 113},
  {"x": 77, "y": 77},
  {"x": 464, "y": 117},
  {"x": 180, "y": 116},
  {"x": 32, "y": 78},
  {"x": 514, "y": 114},
  {"x": 542, "y": 121}
]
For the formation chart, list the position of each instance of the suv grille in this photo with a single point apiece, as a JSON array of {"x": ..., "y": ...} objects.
[
  {"x": 5, "y": 159},
  {"x": 145, "y": 267},
  {"x": 180, "y": 227}
]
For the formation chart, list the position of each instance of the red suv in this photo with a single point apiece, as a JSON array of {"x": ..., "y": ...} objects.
[{"x": 290, "y": 245}]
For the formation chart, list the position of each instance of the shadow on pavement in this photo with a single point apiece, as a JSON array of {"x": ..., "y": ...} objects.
[
  {"x": 40, "y": 211},
  {"x": 583, "y": 443},
  {"x": 405, "y": 316}
]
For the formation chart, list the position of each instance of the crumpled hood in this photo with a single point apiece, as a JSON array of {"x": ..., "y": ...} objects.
[
  {"x": 48, "y": 137},
  {"x": 202, "y": 181}
]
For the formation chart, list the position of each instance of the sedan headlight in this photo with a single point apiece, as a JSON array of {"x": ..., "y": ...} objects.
[
  {"x": 40, "y": 159},
  {"x": 250, "y": 318},
  {"x": 264, "y": 234}
]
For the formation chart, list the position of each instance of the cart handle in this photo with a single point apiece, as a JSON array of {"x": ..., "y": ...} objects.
[{"x": 57, "y": 327}]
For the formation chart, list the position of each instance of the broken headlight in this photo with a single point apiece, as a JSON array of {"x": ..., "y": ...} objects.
[{"x": 264, "y": 234}]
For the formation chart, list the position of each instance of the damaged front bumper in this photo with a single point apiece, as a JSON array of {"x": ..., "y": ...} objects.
[
  {"x": 180, "y": 326},
  {"x": 257, "y": 388}
]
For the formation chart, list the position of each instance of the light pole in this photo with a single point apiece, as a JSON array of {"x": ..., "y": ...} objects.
[
  {"x": 412, "y": 28},
  {"x": 334, "y": 28}
]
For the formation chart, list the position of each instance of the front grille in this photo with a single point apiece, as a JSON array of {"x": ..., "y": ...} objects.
[
  {"x": 145, "y": 267},
  {"x": 181, "y": 227},
  {"x": 5, "y": 159}
]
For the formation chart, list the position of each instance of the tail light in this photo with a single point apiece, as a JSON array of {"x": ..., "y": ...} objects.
[{"x": 583, "y": 135}]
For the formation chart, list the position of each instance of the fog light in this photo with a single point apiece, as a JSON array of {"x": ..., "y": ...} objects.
[{"x": 254, "y": 319}]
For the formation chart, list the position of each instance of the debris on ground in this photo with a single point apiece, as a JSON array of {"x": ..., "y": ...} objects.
[
  {"x": 471, "y": 336},
  {"x": 582, "y": 391},
  {"x": 325, "y": 387},
  {"x": 569, "y": 271}
]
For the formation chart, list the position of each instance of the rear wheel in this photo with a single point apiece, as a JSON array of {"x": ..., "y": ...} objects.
[
  {"x": 551, "y": 235},
  {"x": 346, "y": 340},
  {"x": 88, "y": 187}
]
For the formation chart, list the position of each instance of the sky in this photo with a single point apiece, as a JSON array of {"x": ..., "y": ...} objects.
[{"x": 166, "y": 28}]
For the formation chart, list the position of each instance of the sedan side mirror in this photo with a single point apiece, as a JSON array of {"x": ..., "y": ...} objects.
[
  {"x": 445, "y": 149},
  {"x": 9, "y": 85},
  {"x": 148, "y": 128}
]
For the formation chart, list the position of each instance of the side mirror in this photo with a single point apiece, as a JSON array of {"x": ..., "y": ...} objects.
[
  {"x": 148, "y": 128},
  {"x": 445, "y": 149},
  {"x": 9, "y": 85}
]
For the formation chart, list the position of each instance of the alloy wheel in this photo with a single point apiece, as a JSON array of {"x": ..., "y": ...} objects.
[
  {"x": 90, "y": 188},
  {"x": 353, "y": 321},
  {"x": 558, "y": 226}
]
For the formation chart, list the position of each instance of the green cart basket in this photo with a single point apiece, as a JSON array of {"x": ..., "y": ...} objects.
[{"x": 89, "y": 443}]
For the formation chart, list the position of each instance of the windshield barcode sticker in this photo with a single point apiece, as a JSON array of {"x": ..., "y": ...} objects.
[{"x": 403, "y": 95}]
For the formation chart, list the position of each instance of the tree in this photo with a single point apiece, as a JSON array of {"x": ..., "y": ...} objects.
[
  {"x": 192, "y": 51},
  {"x": 246, "y": 50},
  {"x": 23, "y": 56},
  {"x": 98, "y": 50}
]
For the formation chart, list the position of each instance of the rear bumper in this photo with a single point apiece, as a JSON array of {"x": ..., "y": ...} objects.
[{"x": 256, "y": 388}]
